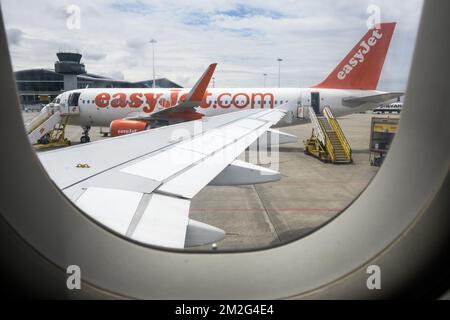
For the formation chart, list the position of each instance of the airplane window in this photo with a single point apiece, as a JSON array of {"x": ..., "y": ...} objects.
[{"x": 280, "y": 186}]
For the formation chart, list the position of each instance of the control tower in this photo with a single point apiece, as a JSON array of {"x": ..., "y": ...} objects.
[{"x": 70, "y": 66}]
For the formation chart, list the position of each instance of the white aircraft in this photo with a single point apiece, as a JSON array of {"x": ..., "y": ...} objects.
[{"x": 350, "y": 88}]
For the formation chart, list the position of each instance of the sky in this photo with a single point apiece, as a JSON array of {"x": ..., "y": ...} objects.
[{"x": 245, "y": 38}]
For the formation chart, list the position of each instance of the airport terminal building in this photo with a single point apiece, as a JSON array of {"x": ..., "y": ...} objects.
[{"x": 39, "y": 86}]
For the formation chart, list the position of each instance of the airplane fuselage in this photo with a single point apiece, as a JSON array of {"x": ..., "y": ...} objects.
[{"x": 99, "y": 107}]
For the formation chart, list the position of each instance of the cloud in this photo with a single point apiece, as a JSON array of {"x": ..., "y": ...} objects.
[
  {"x": 244, "y": 37},
  {"x": 117, "y": 75},
  {"x": 137, "y": 7},
  {"x": 15, "y": 36},
  {"x": 94, "y": 56},
  {"x": 245, "y": 11},
  {"x": 137, "y": 43}
]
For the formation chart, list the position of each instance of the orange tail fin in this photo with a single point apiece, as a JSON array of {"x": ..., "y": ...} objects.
[{"x": 361, "y": 68}]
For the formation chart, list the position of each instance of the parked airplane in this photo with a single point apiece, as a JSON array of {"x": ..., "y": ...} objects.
[{"x": 350, "y": 87}]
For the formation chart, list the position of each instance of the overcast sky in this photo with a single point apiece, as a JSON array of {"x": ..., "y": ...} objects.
[{"x": 244, "y": 37}]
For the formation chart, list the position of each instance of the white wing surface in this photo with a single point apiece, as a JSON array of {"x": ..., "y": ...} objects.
[{"x": 140, "y": 185}]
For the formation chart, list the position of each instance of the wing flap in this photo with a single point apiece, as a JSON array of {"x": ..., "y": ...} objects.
[
  {"x": 164, "y": 222},
  {"x": 111, "y": 207},
  {"x": 153, "y": 219}
]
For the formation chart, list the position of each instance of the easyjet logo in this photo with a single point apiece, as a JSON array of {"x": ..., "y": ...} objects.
[
  {"x": 359, "y": 56},
  {"x": 148, "y": 102}
]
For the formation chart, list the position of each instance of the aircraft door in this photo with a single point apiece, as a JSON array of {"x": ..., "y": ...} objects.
[
  {"x": 315, "y": 102},
  {"x": 73, "y": 99}
]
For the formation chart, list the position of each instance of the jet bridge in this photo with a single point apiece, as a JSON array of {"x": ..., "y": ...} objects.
[{"x": 328, "y": 142}]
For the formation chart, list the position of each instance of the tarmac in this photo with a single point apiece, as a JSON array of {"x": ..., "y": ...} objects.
[{"x": 309, "y": 194}]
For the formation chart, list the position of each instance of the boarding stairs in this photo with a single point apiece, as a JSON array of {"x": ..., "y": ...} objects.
[
  {"x": 48, "y": 127},
  {"x": 328, "y": 142}
]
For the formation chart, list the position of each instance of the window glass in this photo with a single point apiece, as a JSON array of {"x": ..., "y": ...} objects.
[{"x": 275, "y": 52}]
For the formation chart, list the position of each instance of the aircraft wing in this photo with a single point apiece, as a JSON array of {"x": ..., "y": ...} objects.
[
  {"x": 378, "y": 98},
  {"x": 140, "y": 185},
  {"x": 186, "y": 107}
]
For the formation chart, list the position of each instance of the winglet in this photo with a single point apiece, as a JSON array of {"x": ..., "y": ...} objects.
[
  {"x": 198, "y": 91},
  {"x": 185, "y": 109}
]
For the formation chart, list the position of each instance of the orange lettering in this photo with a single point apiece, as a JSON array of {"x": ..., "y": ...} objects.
[
  {"x": 205, "y": 104},
  {"x": 151, "y": 101},
  {"x": 262, "y": 96},
  {"x": 119, "y": 100},
  {"x": 174, "y": 97},
  {"x": 135, "y": 101},
  {"x": 235, "y": 103},
  {"x": 102, "y": 100},
  {"x": 165, "y": 103},
  {"x": 219, "y": 100},
  {"x": 183, "y": 97}
]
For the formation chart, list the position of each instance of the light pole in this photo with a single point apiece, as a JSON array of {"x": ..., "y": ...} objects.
[
  {"x": 265, "y": 76},
  {"x": 279, "y": 72},
  {"x": 213, "y": 82},
  {"x": 153, "y": 41}
]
